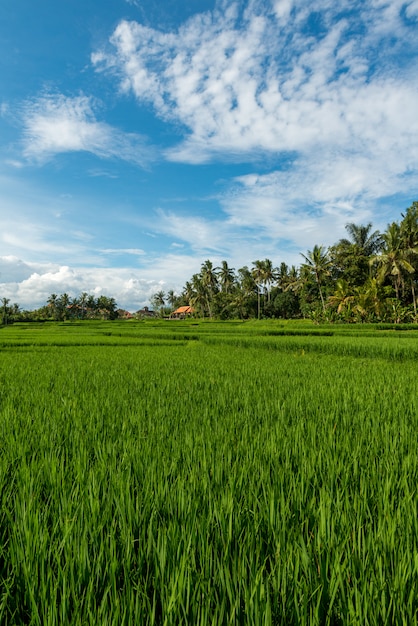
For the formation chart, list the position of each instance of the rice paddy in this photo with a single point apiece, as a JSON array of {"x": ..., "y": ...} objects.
[{"x": 208, "y": 473}]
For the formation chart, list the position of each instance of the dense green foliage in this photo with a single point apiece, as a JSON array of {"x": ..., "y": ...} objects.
[
  {"x": 208, "y": 473},
  {"x": 369, "y": 277}
]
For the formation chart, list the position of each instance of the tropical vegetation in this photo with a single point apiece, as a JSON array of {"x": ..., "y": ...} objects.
[{"x": 366, "y": 277}]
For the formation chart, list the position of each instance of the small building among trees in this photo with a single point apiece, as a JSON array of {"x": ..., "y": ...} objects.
[{"x": 182, "y": 312}]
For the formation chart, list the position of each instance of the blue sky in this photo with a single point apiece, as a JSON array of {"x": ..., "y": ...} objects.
[{"x": 140, "y": 138}]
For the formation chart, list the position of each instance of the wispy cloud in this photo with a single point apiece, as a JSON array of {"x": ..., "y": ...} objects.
[
  {"x": 325, "y": 90},
  {"x": 259, "y": 81},
  {"x": 121, "y": 251},
  {"x": 200, "y": 234},
  {"x": 55, "y": 123}
]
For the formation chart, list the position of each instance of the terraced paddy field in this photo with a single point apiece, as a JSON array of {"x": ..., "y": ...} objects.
[{"x": 204, "y": 473}]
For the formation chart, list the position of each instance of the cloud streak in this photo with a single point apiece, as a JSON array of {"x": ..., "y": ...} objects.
[{"x": 55, "y": 124}]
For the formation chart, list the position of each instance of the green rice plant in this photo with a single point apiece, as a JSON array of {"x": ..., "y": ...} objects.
[{"x": 233, "y": 478}]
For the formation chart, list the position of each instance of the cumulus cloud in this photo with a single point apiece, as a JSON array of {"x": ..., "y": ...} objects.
[
  {"x": 30, "y": 285},
  {"x": 55, "y": 123}
]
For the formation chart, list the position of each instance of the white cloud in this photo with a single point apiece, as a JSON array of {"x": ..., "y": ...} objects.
[
  {"x": 201, "y": 234},
  {"x": 265, "y": 84},
  {"x": 55, "y": 124},
  {"x": 119, "y": 251},
  {"x": 412, "y": 9},
  {"x": 32, "y": 284},
  {"x": 330, "y": 88}
]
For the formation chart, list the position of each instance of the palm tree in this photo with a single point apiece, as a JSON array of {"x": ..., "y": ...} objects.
[
  {"x": 158, "y": 300},
  {"x": 318, "y": 264},
  {"x": 226, "y": 277},
  {"x": 393, "y": 260},
  {"x": 188, "y": 291},
  {"x": 106, "y": 307},
  {"x": 409, "y": 234},
  {"x": 171, "y": 298},
  {"x": 343, "y": 297},
  {"x": 15, "y": 310},
  {"x": 53, "y": 303},
  {"x": 270, "y": 275},
  {"x": 291, "y": 280},
  {"x": 370, "y": 300},
  {"x": 5, "y": 302},
  {"x": 91, "y": 306},
  {"x": 368, "y": 243},
  {"x": 247, "y": 283},
  {"x": 83, "y": 303},
  {"x": 63, "y": 303},
  {"x": 199, "y": 296},
  {"x": 209, "y": 282},
  {"x": 258, "y": 273}
]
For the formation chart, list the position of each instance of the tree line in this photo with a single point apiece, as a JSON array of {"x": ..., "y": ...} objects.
[
  {"x": 63, "y": 307},
  {"x": 367, "y": 276}
]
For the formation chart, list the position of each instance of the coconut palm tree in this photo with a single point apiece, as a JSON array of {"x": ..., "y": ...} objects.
[
  {"x": 171, "y": 298},
  {"x": 83, "y": 303},
  {"x": 368, "y": 243},
  {"x": 343, "y": 297},
  {"x": 258, "y": 273},
  {"x": 158, "y": 300},
  {"x": 5, "y": 302},
  {"x": 198, "y": 296},
  {"x": 210, "y": 283},
  {"x": 393, "y": 261},
  {"x": 270, "y": 276},
  {"x": 226, "y": 277},
  {"x": 53, "y": 304},
  {"x": 318, "y": 264},
  {"x": 409, "y": 235},
  {"x": 63, "y": 302}
]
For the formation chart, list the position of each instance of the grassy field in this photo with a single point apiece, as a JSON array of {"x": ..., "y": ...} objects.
[{"x": 208, "y": 474}]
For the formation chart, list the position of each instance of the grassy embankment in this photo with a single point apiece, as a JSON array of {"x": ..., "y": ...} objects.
[{"x": 208, "y": 473}]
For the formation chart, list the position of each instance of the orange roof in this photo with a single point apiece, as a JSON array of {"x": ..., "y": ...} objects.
[{"x": 184, "y": 309}]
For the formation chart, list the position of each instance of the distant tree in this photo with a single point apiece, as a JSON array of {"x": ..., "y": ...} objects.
[
  {"x": 350, "y": 257},
  {"x": 226, "y": 277},
  {"x": 172, "y": 299},
  {"x": 158, "y": 301},
  {"x": 53, "y": 304},
  {"x": 258, "y": 275},
  {"x": 106, "y": 307},
  {"x": 409, "y": 236},
  {"x": 367, "y": 242},
  {"x": 210, "y": 283},
  {"x": 5, "y": 311},
  {"x": 270, "y": 274},
  {"x": 318, "y": 263},
  {"x": 199, "y": 297},
  {"x": 343, "y": 299},
  {"x": 83, "y": 303},
  {"x": 63, "y": 304},
  {"x": 394, "y": 260}
]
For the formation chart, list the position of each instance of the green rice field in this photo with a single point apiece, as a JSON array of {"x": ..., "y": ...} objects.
[{"x": 208, "y": 473}]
